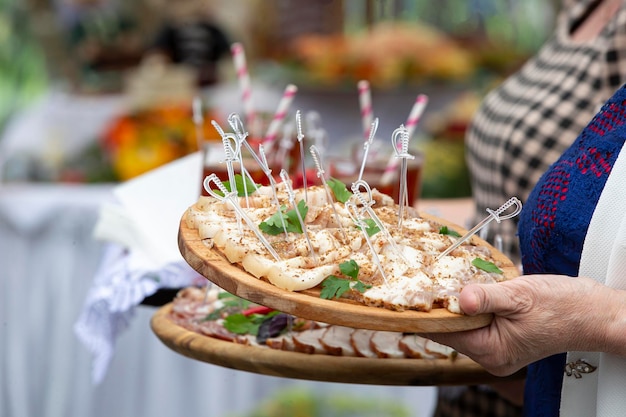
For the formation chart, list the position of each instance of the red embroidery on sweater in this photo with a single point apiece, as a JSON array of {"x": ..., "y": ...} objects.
[
  {"x": 613, "y": 117},
  {"x": 553, "y": 192},
  {"x": 594, "y": 161},
  {"x": 596, "y": 130},
  {"x": 607, "y": 120}
]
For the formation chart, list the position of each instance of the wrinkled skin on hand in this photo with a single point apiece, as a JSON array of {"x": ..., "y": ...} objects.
[{"x": 536, "y": 316}]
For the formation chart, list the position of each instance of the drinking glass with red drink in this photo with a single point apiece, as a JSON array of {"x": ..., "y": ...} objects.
[
  {"x": 347, "y": 171},
  {"x": 282, "y": 153}
]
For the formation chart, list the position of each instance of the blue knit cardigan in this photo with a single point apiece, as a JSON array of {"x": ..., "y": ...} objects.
[{"x": 554, "y": 222}]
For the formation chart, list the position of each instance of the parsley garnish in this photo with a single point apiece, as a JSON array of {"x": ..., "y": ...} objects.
[
  {"x": 486, "y": 266},
  {"x": 349, "y": 268},
  {"x": 339, "y": 189},
  {"x": 371, "y": 227},
  {"x": 335, "y": 287},
  {"x": 241, "y": 191},
  {"x": 274, "y": 226},
  {"x": 445, "y": 230},
  {"x": 241, "y": 324}
]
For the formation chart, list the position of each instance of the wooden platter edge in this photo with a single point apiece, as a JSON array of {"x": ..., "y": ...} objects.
[{"x": 406, "y": 372}]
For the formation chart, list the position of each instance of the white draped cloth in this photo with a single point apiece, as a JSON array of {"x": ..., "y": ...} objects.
[
  {"x": 602, "y": 393},
  {"x": 143, "y": 256}
]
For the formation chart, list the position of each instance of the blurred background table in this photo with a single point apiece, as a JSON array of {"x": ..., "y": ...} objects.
[{"x": 456, "y": 210}]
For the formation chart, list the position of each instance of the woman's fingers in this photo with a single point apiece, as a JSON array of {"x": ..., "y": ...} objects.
[
  {"x": 529, "y": 312},
  {"x": 505, "y": 298}
]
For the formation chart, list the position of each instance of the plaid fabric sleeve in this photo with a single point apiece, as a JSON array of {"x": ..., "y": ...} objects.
[{"x": 525, "y": 124}]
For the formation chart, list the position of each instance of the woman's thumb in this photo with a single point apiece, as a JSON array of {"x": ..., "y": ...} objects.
[{"x": 484, "y": 298}]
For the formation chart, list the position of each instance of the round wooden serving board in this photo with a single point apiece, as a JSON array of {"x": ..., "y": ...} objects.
[
  {"x": 265, "y": 361},
  {"x": 308, "y": 304}
]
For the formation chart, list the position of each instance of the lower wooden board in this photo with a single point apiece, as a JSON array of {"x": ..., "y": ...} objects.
[
  {"x": 308, "y": 304},
  {"x": 265, "y": 361}
]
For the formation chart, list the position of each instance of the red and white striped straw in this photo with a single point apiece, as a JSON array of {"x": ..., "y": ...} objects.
[
  {"x": 365, "y": 103},
  {"x": 414, "y": 117},
  {"x": 241, "y": 67},
  {"x": 416, "y": 113},
  {"x": 281, "y": 113}
]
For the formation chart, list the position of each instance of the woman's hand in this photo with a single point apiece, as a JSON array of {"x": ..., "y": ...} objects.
[{"x": 536, "y": 316}]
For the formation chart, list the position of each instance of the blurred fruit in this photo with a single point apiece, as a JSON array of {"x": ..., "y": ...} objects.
[{"x": 146, "y": 139}]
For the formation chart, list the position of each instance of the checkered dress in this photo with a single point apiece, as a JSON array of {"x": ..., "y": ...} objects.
[{"x": 524, "y": 125}]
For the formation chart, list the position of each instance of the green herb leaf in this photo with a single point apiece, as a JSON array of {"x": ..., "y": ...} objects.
[
  {"x": 350, "y": 268},
  {"x": 445, "y": 230},
  {"x": 371, "y": 227},
  {"x": 251, "y": 187},
  {"x": 274, "y": 226},
  {"x": 359, "y": 286},
  {"x": 303, "y": 209},
  {"x": 334, "y": 287},
  {"x": 241, "y": 324},
  {"x": 339, "y": 190},
  {"x": 486, "y": 266}
]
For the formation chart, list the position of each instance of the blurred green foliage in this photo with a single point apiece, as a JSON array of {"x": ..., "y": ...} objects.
[
  {"x": 23, "y": 73},
  {"x": 304, "y": 403},
  {"x": 521, "y": 25}
]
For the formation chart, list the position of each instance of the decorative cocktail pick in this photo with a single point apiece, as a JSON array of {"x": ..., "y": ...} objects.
[
  {"x": 268, "y": 173},
  {"x": 284, "y": 148},
  {"x": 240, "y": 132},
  {"x": 367, "y": 145},
  {"x": 303, "y": 164},
  {"x": 414, "y": 117},
  {"x": 367, "y": 202},
  {"x": 231, "y": 149},
  {"x": 317, "y": 158},
  {"x": 401, "y": 151},
  {"x": 231, "y": 198},
  {"x": 237, "y": 125},
  {"x": 357, "y": 217},
  {"x": 292, "y": 199},
  {"x": 316, "y": 132},
  {"x": 493, "y": 215}
]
